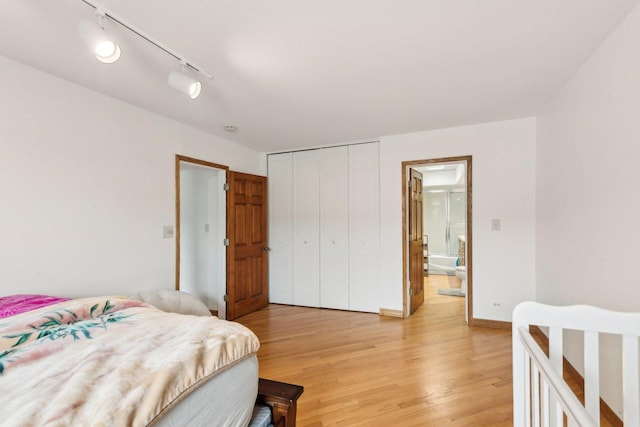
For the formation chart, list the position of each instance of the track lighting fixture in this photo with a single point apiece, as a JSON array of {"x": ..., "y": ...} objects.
[
  {"x": 108, "y": 51},
  {"x": 105, "y": 49},
  {"x": 183, "y": 83}
]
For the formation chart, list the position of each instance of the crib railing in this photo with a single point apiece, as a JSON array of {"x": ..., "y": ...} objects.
[{"x": 540, "y": 395}]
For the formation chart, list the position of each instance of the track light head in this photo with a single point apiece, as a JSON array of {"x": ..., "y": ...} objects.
[
  {"x": 107, "y": 52},
  {"x": 104, "y": 48},
  {"x": 185, "y": 84}
]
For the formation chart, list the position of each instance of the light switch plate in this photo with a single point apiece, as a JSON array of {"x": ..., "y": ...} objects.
[
  {"x": 495, "y": 224},
  {"x": 167, "y": 232}
]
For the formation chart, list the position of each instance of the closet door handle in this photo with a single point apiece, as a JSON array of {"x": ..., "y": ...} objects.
[{"x": 266, "y": 248}]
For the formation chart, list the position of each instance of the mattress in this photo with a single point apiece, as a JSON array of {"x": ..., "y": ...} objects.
[
  {"x": 261, "y": 416},
  {"x": 227, "y": 399}
]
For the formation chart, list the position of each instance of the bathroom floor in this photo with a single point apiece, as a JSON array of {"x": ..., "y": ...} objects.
[{"x": 431, "y": 285}]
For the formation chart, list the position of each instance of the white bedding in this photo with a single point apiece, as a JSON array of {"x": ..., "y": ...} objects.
[{"x": 225, "y": 400}]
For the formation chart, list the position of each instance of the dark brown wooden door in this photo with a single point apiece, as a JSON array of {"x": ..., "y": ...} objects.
[
  {"x": 416, "y": 248},
  {"x": 247, "y": 253}
]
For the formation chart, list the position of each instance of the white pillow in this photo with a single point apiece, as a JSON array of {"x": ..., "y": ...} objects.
[{"x": 173, "y": 301}]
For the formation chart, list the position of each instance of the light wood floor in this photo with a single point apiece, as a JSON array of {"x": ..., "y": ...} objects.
[{"x": 361, "y": 369}]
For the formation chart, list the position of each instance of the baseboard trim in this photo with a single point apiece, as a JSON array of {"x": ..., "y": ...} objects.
[
  {"x": 495, "y": 324},
  {"x": 605, "y": 411},
  {"x": 391, "y": 313}
]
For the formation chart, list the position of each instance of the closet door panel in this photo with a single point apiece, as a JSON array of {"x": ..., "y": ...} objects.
[
  {"x": 334, "y": 228},
  {"x": 280, "y": 185},
  {"x": 364, "y": 227},
  {"x": 306, "y": 229}
]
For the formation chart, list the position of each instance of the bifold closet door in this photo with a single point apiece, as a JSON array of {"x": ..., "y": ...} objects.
[
  {"x": 334, "y": 228},
  {"x": 364, "y": 227},
  {"x": 306, "y": 229},
  {"x": 280, "y": 184},
  {"x": 324, "y": 210}
]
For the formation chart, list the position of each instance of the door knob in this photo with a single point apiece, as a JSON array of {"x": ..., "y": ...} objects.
[{"x": 266, "y": 248}]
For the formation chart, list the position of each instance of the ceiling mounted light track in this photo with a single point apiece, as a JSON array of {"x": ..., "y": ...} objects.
[{"x": 109, "y": 53}]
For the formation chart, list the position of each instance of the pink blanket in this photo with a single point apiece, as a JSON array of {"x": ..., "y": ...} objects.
[{"x": 16, "y": 304}]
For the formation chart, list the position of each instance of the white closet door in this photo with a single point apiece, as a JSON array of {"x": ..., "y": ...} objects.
[
  {"x": 364, "y": 227},
  {"x": 280, "y": 190},
  {"x": 306, "y": 231},
  {"x": 334, "y": 228}
]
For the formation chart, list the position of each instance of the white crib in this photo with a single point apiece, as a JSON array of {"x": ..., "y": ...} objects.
[{"x": 540, "y": 395}]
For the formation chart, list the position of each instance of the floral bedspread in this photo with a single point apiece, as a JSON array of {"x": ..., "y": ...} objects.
[{"x": 109, "y": 361}]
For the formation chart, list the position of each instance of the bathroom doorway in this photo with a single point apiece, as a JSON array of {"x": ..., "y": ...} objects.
[
  {"x": 447, "y": 225},
  {"x": 200, "y": 231}
]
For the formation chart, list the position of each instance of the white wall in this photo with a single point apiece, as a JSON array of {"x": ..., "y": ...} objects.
[
  {"x": 503, "y": 187},
  {"x": 201, "y": 233},
  {"x": 86, "y": 185},
  {"x": 212, "y": 245},
  {"x": 588, "y": 165},
  {"x": 189, "y": 196}
]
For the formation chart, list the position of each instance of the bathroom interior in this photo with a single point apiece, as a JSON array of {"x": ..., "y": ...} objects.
[{"x": 444, "y": 225}]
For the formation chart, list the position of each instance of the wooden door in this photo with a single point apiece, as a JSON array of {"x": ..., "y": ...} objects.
[
  {"x": 247, "y": 259},
  {"x": 416, "y": 249}
]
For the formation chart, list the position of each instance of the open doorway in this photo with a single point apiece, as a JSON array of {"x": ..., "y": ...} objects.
[
  {"x": 443, "y": 249},
  {"x": 201, "y": 231}
]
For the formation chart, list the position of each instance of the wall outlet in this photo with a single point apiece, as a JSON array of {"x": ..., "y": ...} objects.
[
  {"x": 167, "y": 232},
  {"x": 496, "y": 304}
]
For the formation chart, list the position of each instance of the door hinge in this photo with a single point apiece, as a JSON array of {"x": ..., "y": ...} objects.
[
  {"x": 410, "y": 291},
  {"x": 226, "y": 298},
  {"x": 226, "y": 242},
  {"x": 409, "y": 184},
  {"x": 225, "y": 187}
]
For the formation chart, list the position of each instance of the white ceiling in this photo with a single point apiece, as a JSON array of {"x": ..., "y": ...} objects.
[{"x": 301, "y": 73}]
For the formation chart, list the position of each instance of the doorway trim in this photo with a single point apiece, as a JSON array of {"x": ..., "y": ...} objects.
[
  {"x": 469, "y": 245},
  {"x": 180, "y": 158}
]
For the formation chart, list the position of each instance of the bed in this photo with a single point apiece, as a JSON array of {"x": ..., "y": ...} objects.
[
  {"x": 606, "y": 340},
  {"x": 114, "y": 360}
]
